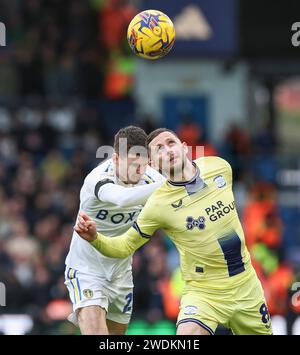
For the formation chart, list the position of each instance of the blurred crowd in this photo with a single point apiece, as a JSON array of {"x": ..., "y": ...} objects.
[
  {"x": 61, "y": 49},
  {"x": 62, "y": 79}
]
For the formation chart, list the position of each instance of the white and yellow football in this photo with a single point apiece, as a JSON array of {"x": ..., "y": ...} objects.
[{"x": 151, "y": 34}]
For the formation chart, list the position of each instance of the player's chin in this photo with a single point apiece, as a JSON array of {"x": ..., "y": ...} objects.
[
  {"x": 176, "y": 164},
  {"x": 170, "y": 165},
  {"x": 176, "y": 171},
  {"x": 134, "y": 180}
]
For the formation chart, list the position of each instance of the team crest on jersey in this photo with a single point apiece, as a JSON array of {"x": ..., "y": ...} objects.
[
  {"x": 195, "y": 223},
  {"x": 88, "y": 293},
  {"x": 190, "y": 310},
  {"x": 220, "y": 181}
]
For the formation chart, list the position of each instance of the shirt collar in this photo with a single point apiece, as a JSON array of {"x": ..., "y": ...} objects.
[{"x": 193, "y": 179}]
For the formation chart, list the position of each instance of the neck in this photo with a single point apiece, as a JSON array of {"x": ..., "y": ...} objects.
[
  {"x": 187, "y": 173},
  {"x": 117, "y": 173}
]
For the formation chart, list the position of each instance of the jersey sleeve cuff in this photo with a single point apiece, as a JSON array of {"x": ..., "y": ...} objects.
[
  {"x": 96, "y": 243},
  {"x": 137, "y": 228}
]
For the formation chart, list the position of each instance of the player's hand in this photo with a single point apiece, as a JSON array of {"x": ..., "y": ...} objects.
[{"x": 86, "y": 227}]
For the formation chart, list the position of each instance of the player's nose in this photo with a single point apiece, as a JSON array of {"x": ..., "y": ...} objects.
[{"x": 170, "y": 152}]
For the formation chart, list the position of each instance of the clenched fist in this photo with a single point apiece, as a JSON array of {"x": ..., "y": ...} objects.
[{"x": 86, "y": 227}]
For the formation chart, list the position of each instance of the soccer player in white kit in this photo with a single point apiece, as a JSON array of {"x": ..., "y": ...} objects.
[{"x": 113, "y": 194}]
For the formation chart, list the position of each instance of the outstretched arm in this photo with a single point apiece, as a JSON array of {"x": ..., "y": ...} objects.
[{"x": 114, "y": 247}]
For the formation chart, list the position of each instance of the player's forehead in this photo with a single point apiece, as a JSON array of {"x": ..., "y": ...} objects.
[
  {"x": 163, "y": 138},
  {"x": 137, "y": 158}
]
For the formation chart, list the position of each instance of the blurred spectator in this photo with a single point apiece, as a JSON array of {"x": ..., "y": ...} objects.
[
  {"x": 238, "y": 141},
  {"x": 261, "y": 219},
  {"x": 113, "y": 22},
  {"x": 192, "y": 133},
  {"x": 265, "y": 141},
  {"x": 263, "y": 230}
]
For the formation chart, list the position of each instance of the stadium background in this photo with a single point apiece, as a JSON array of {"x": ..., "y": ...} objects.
[{"x": 68, "y": 82}]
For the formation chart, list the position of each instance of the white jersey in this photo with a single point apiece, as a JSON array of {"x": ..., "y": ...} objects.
[{"x": 111, "y": 219}]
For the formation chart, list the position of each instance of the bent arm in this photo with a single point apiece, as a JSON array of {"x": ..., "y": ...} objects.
[
  {"x": 122, "y": 246},
  {"x": 139, "y": 234},
  {"x": 127, "y": 196}
]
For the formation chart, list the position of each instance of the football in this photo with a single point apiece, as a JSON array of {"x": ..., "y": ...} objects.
[{"x": 151, "y": 34}]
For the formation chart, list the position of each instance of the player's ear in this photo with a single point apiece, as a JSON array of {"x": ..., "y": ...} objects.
[
  {"x": 151, "y": 158},
  {"x": 152, "y": 162},
  {"x": 185, "y": 147},
  {"x": 115, "y": 158}
]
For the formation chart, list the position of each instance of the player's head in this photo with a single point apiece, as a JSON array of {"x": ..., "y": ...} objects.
[
  {"x": 167, "y": 153},
  {"x": 130, "y": 156}
]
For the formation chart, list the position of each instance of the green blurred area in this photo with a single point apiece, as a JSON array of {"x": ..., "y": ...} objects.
[
  {"x": 140, "y": 327},
  {"x": 136, "y": 327}
]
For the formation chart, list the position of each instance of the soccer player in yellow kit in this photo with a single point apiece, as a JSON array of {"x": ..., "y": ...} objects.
[{"x": 196, "y": 208}]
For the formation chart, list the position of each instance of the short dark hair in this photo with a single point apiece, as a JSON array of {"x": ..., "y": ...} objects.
[
  {"x": 135, "y": 136},
  {"x": 157, "y": 132}
]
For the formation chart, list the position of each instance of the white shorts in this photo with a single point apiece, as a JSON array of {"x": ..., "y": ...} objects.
[{"x": 91, "y": 290}]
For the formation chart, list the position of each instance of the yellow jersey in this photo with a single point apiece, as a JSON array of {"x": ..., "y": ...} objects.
[{"x": 201, "y": 219}]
